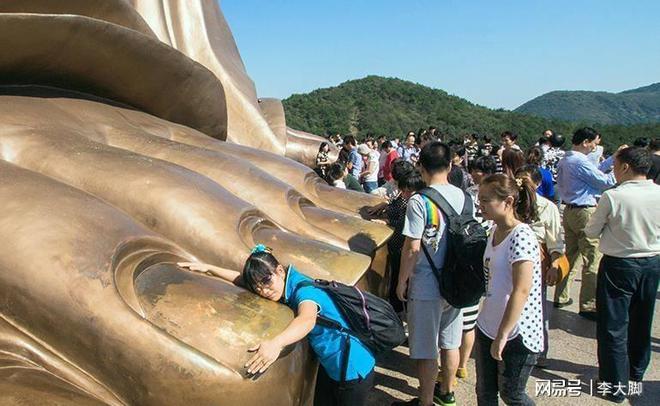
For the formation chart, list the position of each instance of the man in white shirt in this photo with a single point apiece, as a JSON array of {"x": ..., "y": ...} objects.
[{"x": 627, "y": 221}]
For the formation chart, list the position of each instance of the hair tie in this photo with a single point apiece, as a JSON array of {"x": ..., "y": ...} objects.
[
  {"x": 519, "y": 182},
  {"x": 260, "y": 248}
]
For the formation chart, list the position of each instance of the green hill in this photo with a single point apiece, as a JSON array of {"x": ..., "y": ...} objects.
[
  {"x": 634, "y": 106},
  {"x": 376, "y": 105}
]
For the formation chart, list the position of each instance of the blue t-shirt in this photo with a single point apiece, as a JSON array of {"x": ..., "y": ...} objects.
[
  {"x": 328, "y": 344},
  {"x": 546, "y": 188},
  {"x": 356, "y": 160}
]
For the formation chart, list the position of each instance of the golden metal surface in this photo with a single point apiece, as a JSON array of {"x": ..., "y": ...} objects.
[
  {"x": 71, "y": 267},
  {"x": 113, "y": 62},
  {"x": 131, "y": 138}
]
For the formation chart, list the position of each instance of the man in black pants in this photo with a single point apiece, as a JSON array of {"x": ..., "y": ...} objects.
[{"x": 629, "y": 271}]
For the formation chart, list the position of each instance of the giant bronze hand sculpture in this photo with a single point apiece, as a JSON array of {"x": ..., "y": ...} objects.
[{"x": 131, "y": 139}]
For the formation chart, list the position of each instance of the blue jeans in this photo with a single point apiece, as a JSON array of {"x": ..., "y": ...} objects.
[
  {"x": 508, "y": 377},
  {"x": 369, "y": 186}
]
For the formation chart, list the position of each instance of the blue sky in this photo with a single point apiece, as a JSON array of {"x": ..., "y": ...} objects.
[{"x": 494, "y": 53}]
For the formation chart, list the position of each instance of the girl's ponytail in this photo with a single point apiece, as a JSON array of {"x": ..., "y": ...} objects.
[
  {"x": 523, "y": 191},
  {"x": 525, "y": 205}
]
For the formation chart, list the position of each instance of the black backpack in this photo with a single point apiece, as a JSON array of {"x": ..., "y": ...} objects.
[
  {"x": 462, "y": 280},
  {"x": 370, "y": 319}
]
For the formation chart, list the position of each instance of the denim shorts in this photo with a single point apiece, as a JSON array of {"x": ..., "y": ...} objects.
[{"x": 433, "y": 324}]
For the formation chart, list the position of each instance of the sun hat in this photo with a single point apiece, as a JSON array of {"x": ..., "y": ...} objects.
[{"x": 363, "y": 149}]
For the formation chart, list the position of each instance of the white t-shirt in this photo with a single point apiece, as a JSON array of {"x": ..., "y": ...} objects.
[
  {"x": 372, "y": 159},
  {"x": 520, "y": 245},
  {"x": 340, "y": 184}
]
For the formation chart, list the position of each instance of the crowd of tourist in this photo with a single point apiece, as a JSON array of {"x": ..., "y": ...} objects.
[
  {"x": 551, "y": 213},
  {"x": 481, "y": 232}
]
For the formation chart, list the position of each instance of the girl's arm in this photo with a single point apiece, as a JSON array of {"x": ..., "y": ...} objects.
[
  {"x": 523, "y": 272},
  {"x": 268, "y": 351},
  {"x": 222, "y": 273}
]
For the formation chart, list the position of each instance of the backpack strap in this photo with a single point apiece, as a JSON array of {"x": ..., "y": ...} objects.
[
  {"x": 333, "y": 324},
  {"x": 468, "y": 205},
  {"x": 322, "y": 320},
  {"x": 435, "y": 269},
  {"x": 439, "y": 201},
  {"x": 344, "y": 358}
]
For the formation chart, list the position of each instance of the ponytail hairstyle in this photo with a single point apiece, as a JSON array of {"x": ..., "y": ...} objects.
[
  {"x": 259, "y": 268},
  {"x": 523, "y": 191}
]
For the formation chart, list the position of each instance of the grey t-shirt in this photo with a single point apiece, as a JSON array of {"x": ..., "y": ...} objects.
[{"x": 423, "y": 283}]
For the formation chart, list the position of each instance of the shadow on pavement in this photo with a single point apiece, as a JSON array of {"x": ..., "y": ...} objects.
[{"x": 572, "y": 323}]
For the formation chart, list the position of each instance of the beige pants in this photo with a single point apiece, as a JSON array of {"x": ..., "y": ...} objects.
[{"x": 583, "y": 254}]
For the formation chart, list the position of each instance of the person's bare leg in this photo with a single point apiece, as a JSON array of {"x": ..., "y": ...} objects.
[
  {"x": 427, "y": 371},
  {"x": 450, "y": 360},
  {"x": 466, "y": 348}
]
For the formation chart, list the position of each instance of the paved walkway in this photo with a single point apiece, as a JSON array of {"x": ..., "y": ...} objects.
[{"x": 572, "y": 356}]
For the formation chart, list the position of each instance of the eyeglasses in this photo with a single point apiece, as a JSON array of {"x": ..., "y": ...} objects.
[{"x": 264, "y": 283}]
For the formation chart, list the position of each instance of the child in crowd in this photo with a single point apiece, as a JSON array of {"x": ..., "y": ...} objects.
[
  {"x": 338, "y": 176},
  {"x": 510, "y": 325},
  {"x": 335, "y": 176},
  {"x": 347, "y": 367}
]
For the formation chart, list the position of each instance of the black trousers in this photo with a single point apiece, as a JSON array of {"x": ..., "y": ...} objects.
[
  {"x": 395, "y": 266},
  {"x": 350, "y": 393},
  {"x": 625, "y": 301}
]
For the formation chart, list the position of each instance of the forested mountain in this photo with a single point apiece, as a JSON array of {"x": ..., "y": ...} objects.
[
  {"x": 634, "y": 106},
  {"x": 377, "y": 105}
]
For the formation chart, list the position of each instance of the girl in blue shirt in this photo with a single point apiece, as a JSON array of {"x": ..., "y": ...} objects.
[{"x": 347, "y": 367}]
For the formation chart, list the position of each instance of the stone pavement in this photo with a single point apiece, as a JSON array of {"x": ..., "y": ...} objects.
[{"x": 572, "y": 356}]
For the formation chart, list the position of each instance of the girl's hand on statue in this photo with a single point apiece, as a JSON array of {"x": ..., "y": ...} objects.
[
  {"x": 267, "y": 353},
  {"x": 194, "y": 266}
]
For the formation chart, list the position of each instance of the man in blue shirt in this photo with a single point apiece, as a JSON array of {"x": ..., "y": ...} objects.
[
  {"x": 409, "y": 151},
  {"x": 580, "y": 182},
  {"x": 354, "y": 164}
]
